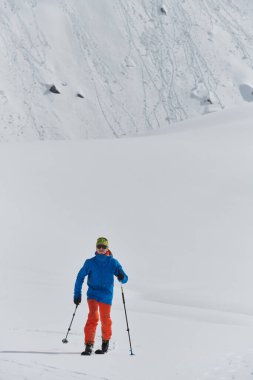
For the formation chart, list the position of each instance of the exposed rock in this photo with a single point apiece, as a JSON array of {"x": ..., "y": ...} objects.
[
  {"x": 246, "y": 92},
  {"x": 163, "y": 10},
  {"x": 54, "y": 89}
]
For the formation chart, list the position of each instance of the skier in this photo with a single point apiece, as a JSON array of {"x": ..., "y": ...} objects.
[{"x": 100, "y": 270}]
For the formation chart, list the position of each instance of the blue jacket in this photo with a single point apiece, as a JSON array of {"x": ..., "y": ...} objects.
[{"x": 100, "y": 270}]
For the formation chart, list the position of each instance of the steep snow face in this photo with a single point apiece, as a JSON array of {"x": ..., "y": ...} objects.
[{"x": 139, "y": 65}]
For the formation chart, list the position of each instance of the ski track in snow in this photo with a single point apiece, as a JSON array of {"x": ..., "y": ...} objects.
[
  {"x": 232, "y": 367},
  {"x": 97, "y": 69},
  {"x": 32, "y": 362},
  {"x": 39, "y": 370}
]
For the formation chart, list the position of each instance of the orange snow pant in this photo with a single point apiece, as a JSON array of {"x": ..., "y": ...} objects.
[{"x": 96, "y": 310}]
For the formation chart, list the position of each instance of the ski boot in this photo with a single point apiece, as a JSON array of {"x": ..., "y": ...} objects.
[
  {"x": 88, "y": 349},
  {"x": 104, "y": 349}
]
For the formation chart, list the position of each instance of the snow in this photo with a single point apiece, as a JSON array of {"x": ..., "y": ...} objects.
[
  {"x": 176, "y": 207},
  {"x": 138, "y": 69},
  {"x": 174, "y": 196}
]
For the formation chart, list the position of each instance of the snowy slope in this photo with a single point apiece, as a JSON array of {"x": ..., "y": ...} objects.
[
  {"x": 137, "y": 68},
  {"x": 177, "y": 209}
]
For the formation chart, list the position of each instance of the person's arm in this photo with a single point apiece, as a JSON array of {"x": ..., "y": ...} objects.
[
  {"x": 79, "y": 283},
  {"x": 120, "y": 274}
]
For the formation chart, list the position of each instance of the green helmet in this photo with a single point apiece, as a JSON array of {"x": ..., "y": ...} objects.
[{"x": 102, "y": 241}]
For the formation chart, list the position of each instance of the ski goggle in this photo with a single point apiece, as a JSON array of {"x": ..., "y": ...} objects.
[{"x": 99, "y": 246}]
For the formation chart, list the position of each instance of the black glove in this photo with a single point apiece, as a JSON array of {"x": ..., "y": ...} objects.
[
  {"x": 120, "y": 276},
  {"x": 77, "y": 300}
]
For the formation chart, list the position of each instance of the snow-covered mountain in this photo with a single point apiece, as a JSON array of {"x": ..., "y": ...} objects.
[{"x": 121, "y": 67}]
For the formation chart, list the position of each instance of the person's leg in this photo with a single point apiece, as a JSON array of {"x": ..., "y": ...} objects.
[
  {"x": 106, "y": 322},
  {"x": 92, "y": 321}
]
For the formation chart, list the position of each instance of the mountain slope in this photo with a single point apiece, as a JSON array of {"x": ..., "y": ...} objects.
[
  {"x": 138, "y": 68},
  {"x": 177, "y": 210}
]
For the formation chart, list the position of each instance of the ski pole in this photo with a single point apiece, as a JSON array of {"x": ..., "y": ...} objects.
[
  {"x": 128, "y": 330},
  {"x": 65, "y": 340}
]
